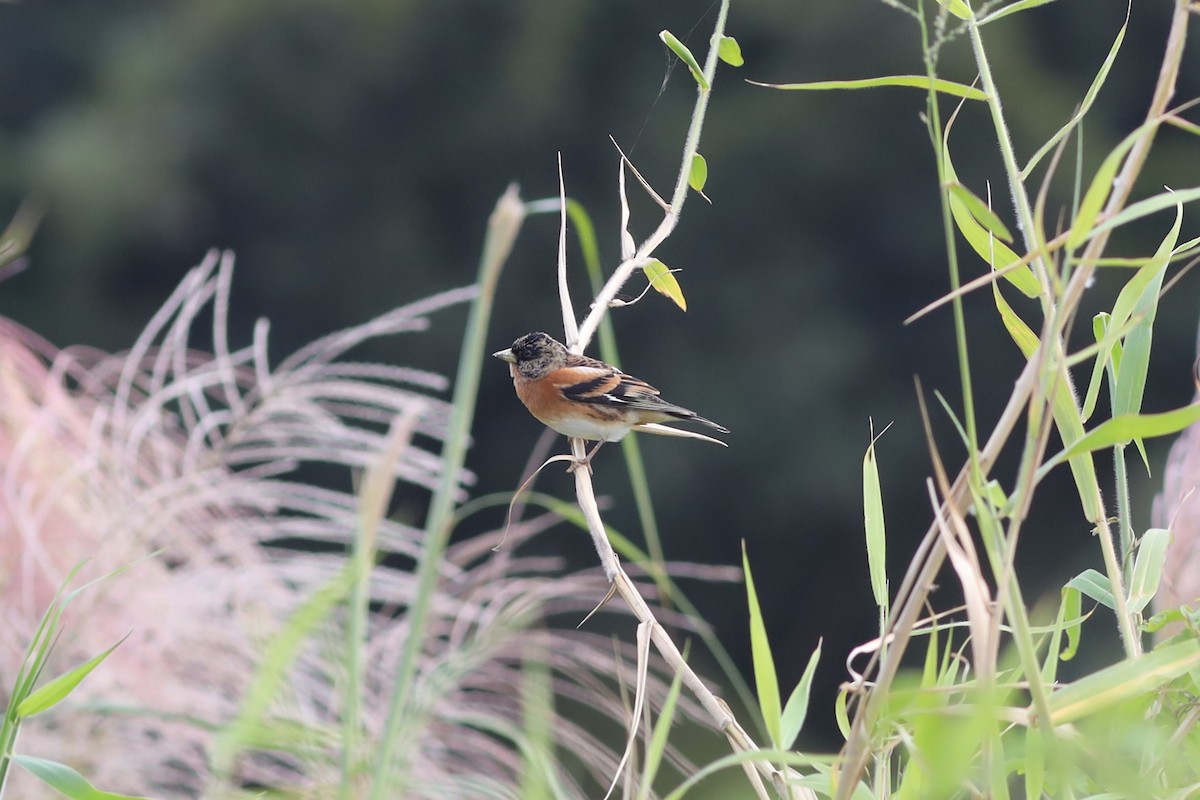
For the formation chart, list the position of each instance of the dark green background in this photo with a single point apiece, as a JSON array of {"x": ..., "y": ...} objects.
[{"x": 351, "y": 152}]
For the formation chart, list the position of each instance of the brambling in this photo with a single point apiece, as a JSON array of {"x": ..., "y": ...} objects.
[{"x": 585, "y": 398}]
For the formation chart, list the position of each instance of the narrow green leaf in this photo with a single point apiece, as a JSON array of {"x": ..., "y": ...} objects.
[
  {"x": 1066, "y": 416},
  {"x": 1135, "y": 361},
  {"x": 1144, "y": 208},
  {"x": 980, "y": 211},
  {"x": 995, "y": 253},
  {"x": 657, "y": 747},
  {"x": 841, "y": 713},
  {"x": 54, "y": 691},
  {"x": 1034, "y": 761},
  {"x": 1095, "y": 585},
  {"x": 685, "y": 55},
  {"x": 957, "y": 7},
  {"x": 698, "y": 174},
  {"x": 1124, "y": 680},
  {"x": 1012, "y": 9},
  {"x": 730, "y": 52},
  {"x": 796, "y": 709},
  {"x": 1101, "y": 185},
  {"x": 913, "y": 81},
  {"x": 1100, "y": 332},
  {"x": 663, "y": 281},
  {"x": 1147, "y": 568},
  {"x": 1088, "y": 98},
  {"x": 765, "y": 680},
  {"x": 1122, "y": 429},
  {"x": 66, "y": 780},
  {"x": 874, "y": 525}
]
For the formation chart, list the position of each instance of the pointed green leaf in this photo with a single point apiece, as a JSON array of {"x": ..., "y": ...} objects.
[
  {"x": 1101, "y": 186},
  {"x": 1147, "y": 568},
  {"x": 994, "y": 252},
  {"x": 913, "y": 81},
  {"x": 796, "y": 708},
  {"x": 1034, "y": 761},
  {"x": 1095, "y": 585},
  {"x": 66, "y": 780},
  {"x": 1088, "y": 98},
  {"x": 1004, "y": 11},
  {"x": 1135, "y": 361},
  {"x": 685, "y": 55},
  {"x": 730, "y": 52},
  {"x": 659, "y": 737},
  {"x": 980, "y": 211},
  {"x": 765, "y": 680},
  {"x": 874, "y": 526},
  {"x": 1122, "y": 429},
  {"x": 957, "y": 7},
  {"x": 663, "y": 281},
  {"x": 698, "y": 174},
  {"x": 53, "y": 692},
  {"x": 1066, "y": 416}
]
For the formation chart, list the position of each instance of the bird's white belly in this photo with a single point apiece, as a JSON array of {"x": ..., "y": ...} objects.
[{"x": 591, "y": 429}]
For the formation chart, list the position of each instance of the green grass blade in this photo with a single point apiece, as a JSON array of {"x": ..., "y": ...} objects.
[
  {"x": 1147, "y": 567},
  {"x": 1101, "y": 186},
  {"x": 873, "y": 523},
  {"x": 56, "y": 690},
  {"x": 765, "y": 679},
  {"x": 912, "y": 81},
  {"x": 67, "y": 781},
  {"x": 995, "y": 253},
  {"x": 1124, "y": 680},
  {"x": 1135, "y": 360},
  {"x": 795, "y": 711},
  {"x": 1123, "y": 429},
  {"x": 1088, "y": 98},
  {"x": 980, "y": 211}
]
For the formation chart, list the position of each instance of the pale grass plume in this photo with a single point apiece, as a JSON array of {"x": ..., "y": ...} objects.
[{"x": 186, "y": 459}]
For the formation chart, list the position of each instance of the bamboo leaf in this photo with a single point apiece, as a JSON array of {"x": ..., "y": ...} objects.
[{"x": 912, "y": 81}]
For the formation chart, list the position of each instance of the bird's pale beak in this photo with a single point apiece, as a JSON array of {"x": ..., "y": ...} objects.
[{"x": 505, "y": 355}]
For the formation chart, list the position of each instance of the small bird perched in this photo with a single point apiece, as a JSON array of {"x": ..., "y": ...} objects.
[{"x": 585, "y": 398}]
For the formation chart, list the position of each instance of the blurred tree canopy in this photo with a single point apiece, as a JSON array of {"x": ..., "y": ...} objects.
[{"x": 349, "y": 153}]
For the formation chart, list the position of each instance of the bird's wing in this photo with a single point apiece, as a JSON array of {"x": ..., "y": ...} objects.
[{"x": 605, "y": 386}]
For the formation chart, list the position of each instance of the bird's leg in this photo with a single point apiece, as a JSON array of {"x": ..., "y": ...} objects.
[{"x": 586, "y": 461}]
